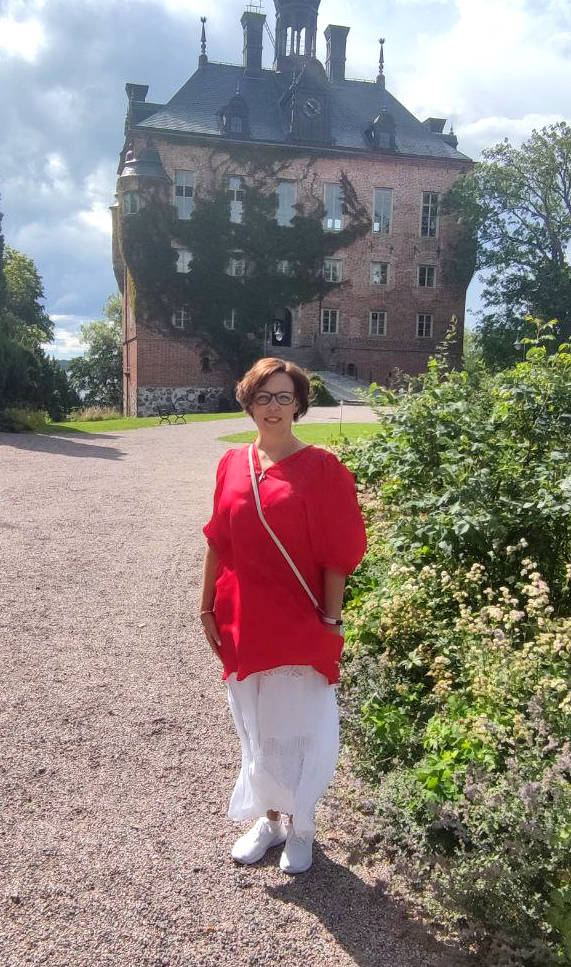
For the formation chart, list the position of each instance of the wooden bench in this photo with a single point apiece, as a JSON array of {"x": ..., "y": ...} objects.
[{"x": 166, "y": 412}]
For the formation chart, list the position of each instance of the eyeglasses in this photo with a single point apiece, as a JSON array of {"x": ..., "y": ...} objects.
[{"x": 284, "y": 399}]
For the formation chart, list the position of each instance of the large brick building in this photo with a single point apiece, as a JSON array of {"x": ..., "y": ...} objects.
[{"x": 399, "y": 300}]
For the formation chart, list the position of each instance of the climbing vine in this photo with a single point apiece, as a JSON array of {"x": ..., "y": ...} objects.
[{"x": 283, "y": 264}]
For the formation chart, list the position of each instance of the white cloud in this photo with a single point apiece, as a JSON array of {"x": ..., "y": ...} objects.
[
  {"x": 66, "y": 342},
  {"x": 485, "y": 132},
  {"x": 22, "y": 38}
]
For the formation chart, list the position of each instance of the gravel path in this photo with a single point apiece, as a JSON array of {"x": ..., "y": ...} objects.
[{"x": 117, "y": 750}]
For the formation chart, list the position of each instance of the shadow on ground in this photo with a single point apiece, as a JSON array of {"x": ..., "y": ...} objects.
[
  {"x": 368, "y": 923},
  {"x": 67, "y": 446}
]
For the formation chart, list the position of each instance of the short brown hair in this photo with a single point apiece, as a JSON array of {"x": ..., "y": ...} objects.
[{"x": 254, "y": 379}]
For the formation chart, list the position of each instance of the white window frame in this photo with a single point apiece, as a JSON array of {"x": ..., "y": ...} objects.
[
  {"x": 328, "y": 317},
  {"x": 181, "y": 317},
  {"x": 237, "y": 267},
  {"x": 183, "y": 260},
  {"x": 333, "y": 270},
  {"x": 379, "y": 281},
  {"x": 423, "y": 320},
  {"x": 380, "y": 225},
  {"x": 426, "y": 284},
  {"x": 235, "y": 193},
  {"x": 429, "y": 214},
  {"x": 333, "y": 221},
  {"x": 377, "y": 322},
  {"x": 131, "y": 202},
  {"x": 285, "y": 209},
  {"x": 284, "y": 267},
  {"x": 231, "y": 322},
  {"x": 183, "y": 193}
]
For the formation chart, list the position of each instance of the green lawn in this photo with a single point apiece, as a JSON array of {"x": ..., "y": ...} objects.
[
  {"x": 130, "y": 423},
  {"x": 326, "y": 433}
]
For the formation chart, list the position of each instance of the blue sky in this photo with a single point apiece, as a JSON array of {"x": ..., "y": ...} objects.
[{"x": 494, "y": 68}]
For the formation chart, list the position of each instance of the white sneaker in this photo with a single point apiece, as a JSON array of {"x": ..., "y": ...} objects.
[
  {"x": 297, "y": 853},
  {"x": 254, "y": 844}
]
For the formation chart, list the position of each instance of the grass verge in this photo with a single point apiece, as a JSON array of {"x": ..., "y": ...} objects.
[
  {"x": 319, "y": 433},
  {"x": 129, "y": 423}
]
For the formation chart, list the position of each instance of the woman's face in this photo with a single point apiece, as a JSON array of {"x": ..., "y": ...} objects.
[{"x": 272, "y": 416}]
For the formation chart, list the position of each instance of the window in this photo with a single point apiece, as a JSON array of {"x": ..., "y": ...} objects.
[
  {"x": 287, "y": 196},
  {"x": 377, "y": 323},
  {"x": 181, "y": 317},
  {"x": 330, "y": 321},
  {"x": 204, "y": 366},
  {"x": 131, "y": 203},
  {"x": 230, "y": 322},
  {"x": 429, "y": 219},
  {"x": 183, "y": 260},
  {"x": 424, "y": 325},
  {"x": 333, "y": 199},
  {"x": 236, "y": 124},
  {"x": 333, "y": 270},
  {"x": 379, "y": 273},
  {"x": 237, "y": 266},
  {"x": 235, "y": 194},
  {"x": 284, "y": 267},
  {"x": 184, "y": 192},
  {"x": 427, "y": 276},
  {"x": 382, "y": 210}
]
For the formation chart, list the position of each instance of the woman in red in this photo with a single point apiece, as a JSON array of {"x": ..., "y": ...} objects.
[{"x": 279, "y": 651}]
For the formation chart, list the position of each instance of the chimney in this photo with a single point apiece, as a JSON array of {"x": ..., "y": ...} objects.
[
  {"x": 336, "y": 38},
  {"x": 136, "y": 92},
  {"x": 253, "y": 26}
]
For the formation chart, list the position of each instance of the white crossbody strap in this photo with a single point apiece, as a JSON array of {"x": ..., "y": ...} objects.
[{"x": 274, "y": 537}]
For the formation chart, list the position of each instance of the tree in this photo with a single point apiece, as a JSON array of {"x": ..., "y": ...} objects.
[
  {"x": 516, "y": 206},
  {"x": 283, "y": 264},
  {"x": 28, "y": 377},
  {"x": 97, "y": 375}
]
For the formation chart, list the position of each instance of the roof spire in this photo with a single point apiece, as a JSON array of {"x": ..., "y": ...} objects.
[
  {"x": 203, "y": 59},
  {"x": 381, "y": 75}
]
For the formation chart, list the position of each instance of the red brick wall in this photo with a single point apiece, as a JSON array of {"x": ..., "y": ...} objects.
[{"x": 161, "y": 361}]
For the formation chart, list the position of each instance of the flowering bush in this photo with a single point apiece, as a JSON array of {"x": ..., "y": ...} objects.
[{"x": 456, "y": 668}]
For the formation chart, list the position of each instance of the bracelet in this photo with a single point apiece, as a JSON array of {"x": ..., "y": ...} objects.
[
  {"x": 331, "y": 621},
  {"x": 206, "y": 611}
]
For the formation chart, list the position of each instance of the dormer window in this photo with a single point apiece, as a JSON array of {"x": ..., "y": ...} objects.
[
  {"x": 381, "y": 132},
  {"x": 234, "y": 117}
]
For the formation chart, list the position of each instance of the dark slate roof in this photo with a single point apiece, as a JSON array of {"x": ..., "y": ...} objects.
[{"x": 354, "y": 104}]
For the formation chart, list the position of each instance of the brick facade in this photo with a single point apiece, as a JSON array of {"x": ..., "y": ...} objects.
[{"x": 155, "y": 362}]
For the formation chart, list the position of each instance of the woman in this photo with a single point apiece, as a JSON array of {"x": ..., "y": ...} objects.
[{"x": 279, "y": 651}]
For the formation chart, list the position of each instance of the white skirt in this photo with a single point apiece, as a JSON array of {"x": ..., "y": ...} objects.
[{"x": 288, "y": 725}]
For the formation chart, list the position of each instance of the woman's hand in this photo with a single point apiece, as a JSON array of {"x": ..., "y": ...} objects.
[{"x": 211, "y": 633}]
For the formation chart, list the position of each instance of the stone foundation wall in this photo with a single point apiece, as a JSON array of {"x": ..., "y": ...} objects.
[{"x": 186, "y": 399}]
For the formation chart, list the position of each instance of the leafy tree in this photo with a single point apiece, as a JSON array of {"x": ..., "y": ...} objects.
[
  {"x": 28, "y": 377},
  {"x": 97, "y": 375},
  {"x": 25, "y": 317},
  {"x": 516, "y": 206},
  {"x": 283, "y": 264}
]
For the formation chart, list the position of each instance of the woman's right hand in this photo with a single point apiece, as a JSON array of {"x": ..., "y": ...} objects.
[{"x": 211, "y": 633}]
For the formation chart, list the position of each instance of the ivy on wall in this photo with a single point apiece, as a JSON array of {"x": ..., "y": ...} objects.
[{"x": 147, "y": 240}]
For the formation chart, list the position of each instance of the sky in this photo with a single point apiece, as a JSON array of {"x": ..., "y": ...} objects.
[{"x": 494, "y": 68}]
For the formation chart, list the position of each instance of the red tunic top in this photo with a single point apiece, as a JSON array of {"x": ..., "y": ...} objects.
[{"x": 264, "y": 616}]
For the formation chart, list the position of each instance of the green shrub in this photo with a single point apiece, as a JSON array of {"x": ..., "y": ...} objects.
[
  {"x": 320, "y": 395},
  {"x": 89, "y": 413},
  {"x": 14, "y": 420},
  {"x": 455, "y": 680}
]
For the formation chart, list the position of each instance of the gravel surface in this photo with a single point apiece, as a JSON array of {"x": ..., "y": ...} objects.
[{"x": 117, "y": 750}]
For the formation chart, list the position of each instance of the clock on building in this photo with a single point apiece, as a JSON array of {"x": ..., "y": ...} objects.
[{"x": 312, "y": 107}]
